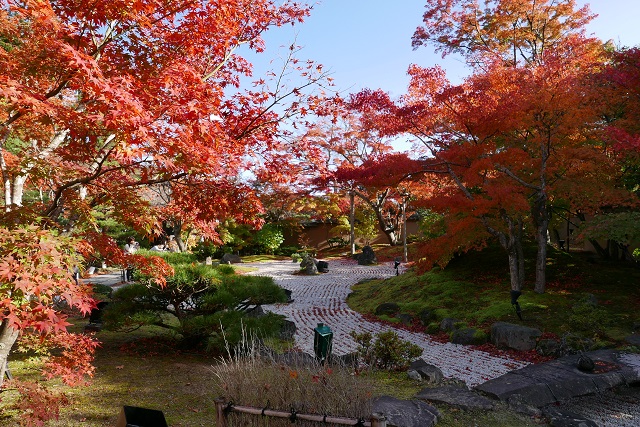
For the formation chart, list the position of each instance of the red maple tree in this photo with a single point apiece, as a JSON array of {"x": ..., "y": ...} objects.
[{"x": 100, "y": 101}]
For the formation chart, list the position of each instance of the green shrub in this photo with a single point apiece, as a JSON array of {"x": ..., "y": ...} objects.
[
  {"x": 197, "y": 303},
  {"x": 433, "y": 328},
  {"x": 388, "y": 351},
  {"x": 173, "y": 258},
  {"x": 205, "y": 249},
  {"x": 587, "y": 317},
  {"x": 225, "y": 269},
  {"x": 101, "y": 292},
  {"x": 287, "y": 250},
  {"x": 268, "y": 238}
]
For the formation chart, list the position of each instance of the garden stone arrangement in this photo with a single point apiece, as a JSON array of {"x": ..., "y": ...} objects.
[{"x": 531, "y": 389}]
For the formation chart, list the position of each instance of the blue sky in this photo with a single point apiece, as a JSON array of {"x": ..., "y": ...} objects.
[{"x": 367, "y": 43}]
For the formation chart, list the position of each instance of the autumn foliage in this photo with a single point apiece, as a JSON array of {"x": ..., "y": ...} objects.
[
  {"x": 100, "y": 103},
  {"x": 518, "y": 136}
]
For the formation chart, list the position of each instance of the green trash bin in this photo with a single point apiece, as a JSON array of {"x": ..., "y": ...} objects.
[{"x": 322, "y": 341}]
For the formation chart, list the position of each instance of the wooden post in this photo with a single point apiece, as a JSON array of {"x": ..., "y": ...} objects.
[
  {"x": 221, "y": 420},
  {"x": 378, "y": 420}
]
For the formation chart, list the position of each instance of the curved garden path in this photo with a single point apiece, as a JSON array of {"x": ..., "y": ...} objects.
[{"x": 322, "y": 299}]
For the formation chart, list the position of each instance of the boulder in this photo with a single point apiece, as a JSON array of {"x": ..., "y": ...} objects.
[
  {"x": 256, "y": 312},
  {"x": 367, "y": 257},
  {"x": 426, "y": 316},
  {"x": 458, "y": 397},
  {"x": 230, "y": 259},
  {"x": 561, "y": 418},
  {"x": 559, "y": 380},
  {"x": 414, "y": 375},
  {"x": 468, "y": 336},
  {"x": 348, "y": 360},
  {"x": 323, "y": 266},
  {"x": 405, "y": 318},
  {"x": 448, "y": 324},
  {"x": 516, "y": 337},
  {"x": 308, "y": 264},
  {"x": 387, "y": 308},
  {"x": 432, "y": 375},
  {"x": 633, "y": 339},
  {"x": 288, "y": 330},
  {"x": 405, "y": 413},
  {"x": 548, "y": 347}
]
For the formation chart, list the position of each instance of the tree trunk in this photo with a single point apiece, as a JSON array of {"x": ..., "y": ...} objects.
[
  {"x": 17, "y": 190},
  {"x": 352, "y": 222},
  {"x": 405, "y": 257},
  {"x": 512, "y": 243},
  {"x": 542, "y": 234},
  {"x": 392, "y": 236},
  {"x": 613, "y": 249},
  {"x": 604, "y": 253},
  {"x": 8, "y": 337},
  {"x": 177, "y": 234},
  {"x": 516, "y": 272}
]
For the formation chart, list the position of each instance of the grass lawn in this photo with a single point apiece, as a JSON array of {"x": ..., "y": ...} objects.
[{"x": 138, "y": 369}]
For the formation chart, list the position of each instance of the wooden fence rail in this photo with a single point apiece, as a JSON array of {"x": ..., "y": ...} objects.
[{"x": 223, "y": 408}]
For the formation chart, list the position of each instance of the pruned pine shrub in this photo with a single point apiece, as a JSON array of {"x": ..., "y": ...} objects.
[{"x": 253, "y": 376}]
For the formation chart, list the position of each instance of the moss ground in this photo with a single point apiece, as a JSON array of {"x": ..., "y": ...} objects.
[{"x": 474, "y": 288}]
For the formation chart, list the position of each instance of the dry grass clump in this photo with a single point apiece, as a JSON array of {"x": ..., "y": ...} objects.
[{"x": 255, "y": 377}]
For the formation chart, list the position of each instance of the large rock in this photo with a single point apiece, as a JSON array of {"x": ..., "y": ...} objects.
[
  {"x": 560, "y": 418},
  {"x": 448, "y": 324},
  {"x": 387, "y": 308},
  {"x": 323, "y": 266},
  {"x": 560, "y": 380},
  {"x": 309, "y": 265},
  {"x": 367, "y": 257},
  {"x": 230, "y": 259},
  {"x": 422, "y": 371},
  {"x": 468, "y": 336},
  {"x": 426, "y": 316},
  {"x": 405, "y": 318},
  {"x": 513, "y": 336},
  {"x": 287, "y": 330},
  {"x": 633, "y": 339},
  {"x": 459, "y": 397},
  {"x": 406, "y": 413}
]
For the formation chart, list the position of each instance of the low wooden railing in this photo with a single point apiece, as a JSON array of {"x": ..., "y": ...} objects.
[{"x": 223, "y": 408}]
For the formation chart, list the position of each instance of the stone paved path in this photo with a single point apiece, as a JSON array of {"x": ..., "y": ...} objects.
[{"x": 321, "y": 299}]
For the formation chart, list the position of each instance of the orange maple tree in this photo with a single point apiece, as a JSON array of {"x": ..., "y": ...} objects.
[
  {"x": 101, "y": 100},
  {"x": 516, "y": 136}
]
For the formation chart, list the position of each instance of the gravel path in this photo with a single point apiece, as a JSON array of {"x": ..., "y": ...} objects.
[{"x": 321, "y": 299}]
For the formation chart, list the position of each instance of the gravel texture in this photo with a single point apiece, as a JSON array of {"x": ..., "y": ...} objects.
[{"x": 322, "y": 299}]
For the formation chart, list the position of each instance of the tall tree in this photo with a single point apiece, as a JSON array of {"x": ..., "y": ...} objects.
[
  {"x": 378, "y": 182},
  {"x": 517, "y": 133},
  {"x": 98, "y": 101}
]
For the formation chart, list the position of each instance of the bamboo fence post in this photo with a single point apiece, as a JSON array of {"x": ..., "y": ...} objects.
[
  {"x": 221, "y": 420},
  {"x": 378, "y": 420}
]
